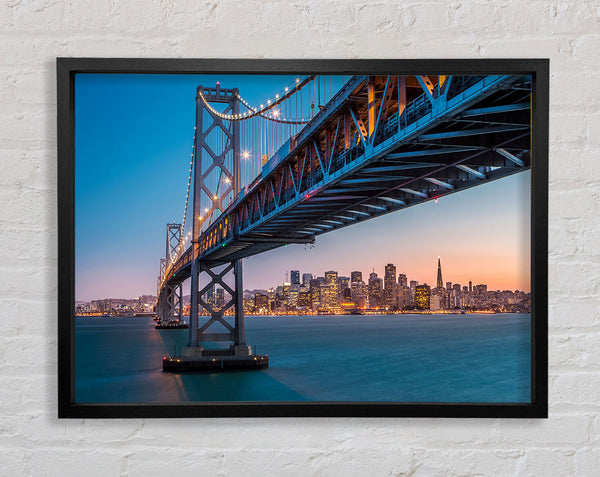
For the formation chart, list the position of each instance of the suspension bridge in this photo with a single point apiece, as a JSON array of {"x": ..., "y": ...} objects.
[{"x": 324, "y": 153}]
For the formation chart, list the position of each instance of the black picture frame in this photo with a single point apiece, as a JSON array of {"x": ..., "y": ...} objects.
[{"x": 67, "y": 68}]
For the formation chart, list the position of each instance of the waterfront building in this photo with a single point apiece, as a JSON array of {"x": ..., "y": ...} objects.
[
  {"x": 304, "y": 299},
  {"x": 375, "y": 292},
  {"x": 220, "y": 297},
  {"x": 315, "y": 293},
  {"x": 271, "y": 296},
  {"x": 390, "y": 293},
  {"x": 355, "y": 277},
  {"x": 402, "y": 280},
  {"x": 403, "y": 296},
  {"x": 286, "y": 293},
  {"x": 329, "y": 297},
  {"x": 343, "y": 284},
  {"x": 295, "y": 277},
  {"x": 293, "y": 296},
  {"x": 261, "y": 303},
  {"x": 331, "y": 278},
  {"x": 422, "y": 296},
  {"x": 440, "y": 282},
  {"x": 346, "y": 295},
  {"x": 435, "y": 303},
  {"x": 356, "y": 290}
]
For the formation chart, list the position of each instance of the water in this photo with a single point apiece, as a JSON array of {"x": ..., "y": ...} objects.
[{"x": 402, "y": 358}]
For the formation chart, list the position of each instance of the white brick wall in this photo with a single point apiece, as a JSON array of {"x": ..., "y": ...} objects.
[{"x": 33, "y": 33}]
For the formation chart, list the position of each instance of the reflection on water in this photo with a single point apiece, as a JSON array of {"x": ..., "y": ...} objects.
[{"x": 403, "y": 358}]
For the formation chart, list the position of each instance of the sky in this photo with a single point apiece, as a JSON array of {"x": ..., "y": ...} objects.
[{"x": 133, "y": 140}]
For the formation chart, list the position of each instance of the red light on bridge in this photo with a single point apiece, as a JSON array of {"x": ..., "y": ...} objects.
[{"x": 307, "y": 196}]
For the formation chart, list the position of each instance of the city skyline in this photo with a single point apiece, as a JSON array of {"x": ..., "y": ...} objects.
[{"x": 134, "y": 132}]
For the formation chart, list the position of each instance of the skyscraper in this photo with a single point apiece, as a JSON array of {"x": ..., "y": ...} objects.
[
  {"x": 375, "y": 291},
  {"x": 355, "y": 277},
  {"x": 440, "y": 282},
  {"x": 422, "y": 294},
  {"x": 390, "y": 289},
  {"x": 402, "y": 280},
  {"x": 295, "y": 277},
  {"x": 306, "y": 278}
]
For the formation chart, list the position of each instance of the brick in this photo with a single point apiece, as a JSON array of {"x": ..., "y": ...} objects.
[
  {"x": 34, "y": 442},
  {"x": 67, "y": 461}
]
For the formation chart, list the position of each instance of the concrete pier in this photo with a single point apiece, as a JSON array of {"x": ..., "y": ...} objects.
[{"x": 198, "y": 359}]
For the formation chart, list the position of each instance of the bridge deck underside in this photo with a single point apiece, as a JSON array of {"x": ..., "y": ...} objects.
[{"x": 479, "y": 139}]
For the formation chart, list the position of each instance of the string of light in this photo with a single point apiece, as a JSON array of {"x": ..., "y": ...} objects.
[{"x": 265, "y": 107}]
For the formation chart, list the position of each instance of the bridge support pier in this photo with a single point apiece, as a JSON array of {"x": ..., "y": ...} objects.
[
  {"x": 170, "y": 303},
  {"x": 213, "y": 301}
]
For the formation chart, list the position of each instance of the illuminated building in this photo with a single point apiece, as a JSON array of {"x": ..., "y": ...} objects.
[
  {"x": 220, "y": 297},
  {"x": 440, "y": 282},
  {"x": 261, "y": 303},
  {"x": 331, "y": 277},
  {"x": 306, "y": 278},
  {"x": 343, "y": 284},
  {"x": 329, "y": 297},
  {"x": 315, "y": 293},
  {"x": 422, "y": 296},
  {"x": 295, "y": 277},
  {"x": 286, "y": 293},
  {"x": 271, "y": 296},
  {"x": 304, "y": 299},
  {"x": 448, "y": 286},
  {"x": 470, "y": 286},
  {"x": 293, "y": 296},
  {"x": 389, "y": 292},
  {"x": 355, "y": 277},
  {"x": 375, "y": 292},
  {"x": 402, "y": 280},
  {"x": 356, "y": 290}
]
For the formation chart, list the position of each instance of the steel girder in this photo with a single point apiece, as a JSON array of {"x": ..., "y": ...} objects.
[{"x": 427, "y": 137}]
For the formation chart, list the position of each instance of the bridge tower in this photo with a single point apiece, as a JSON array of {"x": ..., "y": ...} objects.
[
  {"x": 170, "y": 298},
  {"x": 217, "y": 178}
]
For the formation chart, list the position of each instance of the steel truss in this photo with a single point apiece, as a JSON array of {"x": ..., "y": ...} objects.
[{"x": 381, "y": 144}]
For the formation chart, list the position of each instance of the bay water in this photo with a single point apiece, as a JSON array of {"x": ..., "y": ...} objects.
[{"x": 391, "y": 358}]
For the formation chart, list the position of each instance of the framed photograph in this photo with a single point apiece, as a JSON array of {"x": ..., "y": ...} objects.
[{"x": 302, "y": 238}]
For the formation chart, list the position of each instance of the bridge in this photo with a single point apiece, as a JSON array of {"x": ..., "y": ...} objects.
[{"x": 316, "y": 158}]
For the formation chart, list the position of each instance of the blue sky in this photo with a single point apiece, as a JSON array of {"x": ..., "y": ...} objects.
[{"x": 133, "y": 141}]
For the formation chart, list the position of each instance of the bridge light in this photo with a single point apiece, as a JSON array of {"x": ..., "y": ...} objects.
[
  {"x": 307, "y": 196},
  {"x": 297, "y": 80},
  {"x": 206, "y": 210},
  {"x": 245, "y": 154}
]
